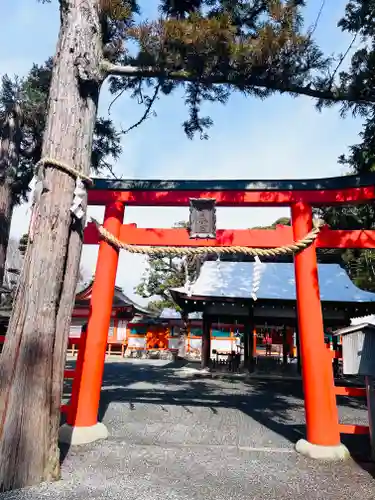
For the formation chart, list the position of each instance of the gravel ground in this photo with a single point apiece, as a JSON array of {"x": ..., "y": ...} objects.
[{"x": 176, "y": 436}]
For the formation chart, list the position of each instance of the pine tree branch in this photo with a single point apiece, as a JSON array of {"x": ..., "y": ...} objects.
[
  {"x": 239, "y": 82},
  {"x": 147, "y": 111},
  {"x": 320, "y": 12},
  {"x": 109, "y": 167},
  {"x": 343, "y": 57},
  {"x": 114, "y": 100}
]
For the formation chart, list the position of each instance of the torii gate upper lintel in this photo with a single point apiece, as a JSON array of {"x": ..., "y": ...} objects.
[{"x": 233, "y": 193}]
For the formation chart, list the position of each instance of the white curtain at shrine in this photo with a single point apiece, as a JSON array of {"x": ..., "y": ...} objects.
[{"x": 121, "y": 329}]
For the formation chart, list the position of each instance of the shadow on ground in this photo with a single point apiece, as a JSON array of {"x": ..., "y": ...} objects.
[{"x": 274, "y": 404}]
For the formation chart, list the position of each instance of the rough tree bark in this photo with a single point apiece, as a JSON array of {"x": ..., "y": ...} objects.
[
  {"x": 10, "y": 142},
  {"x": 32, "y": 362}
]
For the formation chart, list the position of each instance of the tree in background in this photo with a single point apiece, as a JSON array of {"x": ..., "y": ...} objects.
[
  {"x": 23, "y": 112},
  {"x": 10, "y": 144},
  {"x": 359, "y": 22},
  {"x": 11, "y": 275},
  {"x": 22, "y": 245},
  {"x": 163, "y": 274},
  {"x": 282, "y": 221},
  {"x": 359, "y": 263},
  {"x": 207, "y": 48},
  {"x": 13, "y": 265}
]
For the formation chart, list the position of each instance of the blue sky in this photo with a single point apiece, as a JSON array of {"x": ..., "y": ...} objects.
[{"x": 251, "y": 139}]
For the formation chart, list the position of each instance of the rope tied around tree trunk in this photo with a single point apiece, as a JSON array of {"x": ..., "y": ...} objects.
[
  {"x": 77, "y": 208},
  {"x": 65, "y": 168},
  {"x": 292, "y": 248}
]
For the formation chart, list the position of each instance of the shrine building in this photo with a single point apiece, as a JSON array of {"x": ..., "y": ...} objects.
[{"x": 224, "y": 294}]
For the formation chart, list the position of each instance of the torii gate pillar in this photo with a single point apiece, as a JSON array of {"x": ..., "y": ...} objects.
[
  {"x": 82, "y": 420},
  {"x": 323, "y": 436}
]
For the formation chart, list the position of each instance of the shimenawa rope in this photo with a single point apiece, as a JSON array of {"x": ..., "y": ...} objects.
[
  {"x": 64, "y": 167},
  {"x": 293, "y": 247}
]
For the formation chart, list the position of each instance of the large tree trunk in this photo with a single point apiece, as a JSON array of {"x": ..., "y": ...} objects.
[{"x": 32, "y": 362}]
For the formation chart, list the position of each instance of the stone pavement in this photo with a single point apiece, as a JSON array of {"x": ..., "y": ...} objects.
[{"x": 175, "y": 436}]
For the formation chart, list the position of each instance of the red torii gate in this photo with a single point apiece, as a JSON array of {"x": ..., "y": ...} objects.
[{"x": 323, "y": 435}]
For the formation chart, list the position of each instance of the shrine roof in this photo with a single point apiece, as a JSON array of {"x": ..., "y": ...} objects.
[
  {"x": 234, "y": 280},
  {"x": 169, "y": 313},
  {"x": 363, "y": 319},
  {"x": 83, "y": 296}
]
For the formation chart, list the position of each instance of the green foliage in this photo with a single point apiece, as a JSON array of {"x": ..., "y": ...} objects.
[
  {"x": 210, "y": 47},
  {"x": 118, "y": 16},
  {"x": 31, "y": 94},
  {"x": 358, "y": 263},
  {"x": 358, "y": 79},
  {"x": 106, "y": 145},
  {"x": 163, "y": 275},
  {"x": 282, "y": 221},
  {"x": 179, "y": 9},
  {"x": 361, "y": 158}
]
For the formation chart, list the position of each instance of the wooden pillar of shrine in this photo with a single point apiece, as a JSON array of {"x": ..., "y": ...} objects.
[
  {"x": 254, "y": 343},
  {"x": 245, "y": 345},
  {"x": 299, "y": 368},
  {"x": 206, "y": 342},
  {"x": 323, "y": 436},
  {"x": 285, "y": 345},
  {"x": 249, "y": 354},
  {"x": 82, "y": 423}
]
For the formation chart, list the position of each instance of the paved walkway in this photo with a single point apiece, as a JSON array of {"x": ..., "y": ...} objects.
[{"x": 174, "y": 436}]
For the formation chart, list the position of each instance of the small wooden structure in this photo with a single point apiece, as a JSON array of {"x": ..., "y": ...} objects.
[
  {"x": 358, "y": 353},
  {"x": 358, "y": 349}
]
